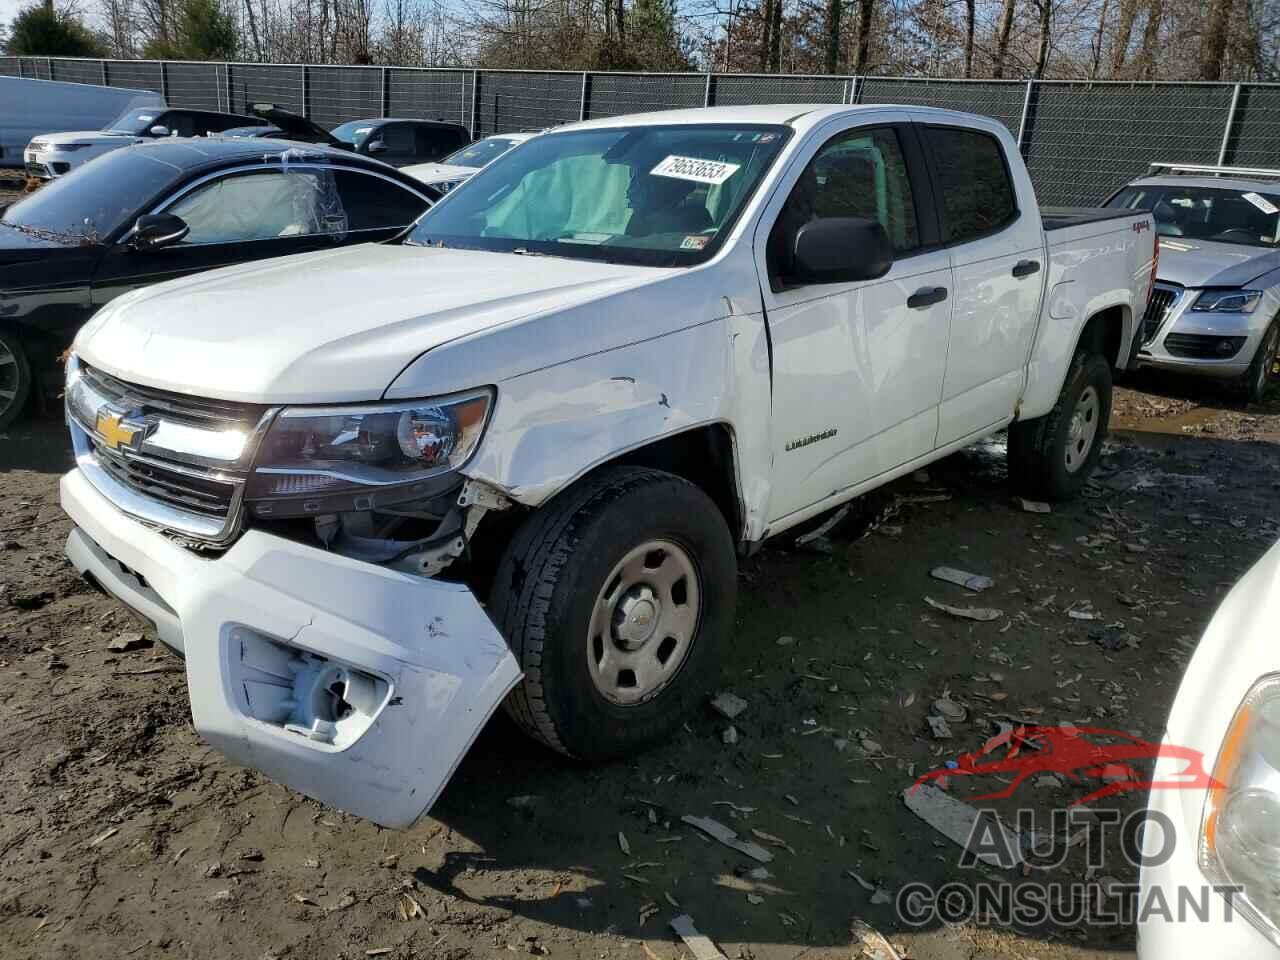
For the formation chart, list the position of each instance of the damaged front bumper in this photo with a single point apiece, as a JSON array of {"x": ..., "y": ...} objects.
[{"x": 357, "y": 685}]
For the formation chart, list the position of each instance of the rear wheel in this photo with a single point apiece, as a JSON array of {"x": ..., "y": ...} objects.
[
  {"x": 1258, "y": 377},
  {"x": 615, "y": 598},
  {"x": 15, "y": 377},
  {"x": 1052, "y": 456}
]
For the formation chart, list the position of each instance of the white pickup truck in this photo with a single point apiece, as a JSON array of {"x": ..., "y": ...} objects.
[{"x": 372, "y": 493}]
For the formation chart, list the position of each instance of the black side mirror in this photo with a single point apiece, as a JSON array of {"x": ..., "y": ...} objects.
[
  {"x": 156, "y": 230},
  {"x": 841, "y": 250}
]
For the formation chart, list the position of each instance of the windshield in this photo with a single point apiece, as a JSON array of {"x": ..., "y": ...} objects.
[
  {"x": 479, "y": 153},
  {"x": 354, "y": 132},
  {"x": 1223, "y": 215},
  {"x": 133, "y": 122},
  {"x": 655, "y": 196},
  {"x": 101, "y": 197}
]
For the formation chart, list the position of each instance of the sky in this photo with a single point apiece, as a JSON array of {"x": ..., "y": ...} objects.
[{"x": 8, "y": 10}]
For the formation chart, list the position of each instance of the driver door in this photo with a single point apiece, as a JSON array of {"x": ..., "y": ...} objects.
[{"x": 857, "y": 367}]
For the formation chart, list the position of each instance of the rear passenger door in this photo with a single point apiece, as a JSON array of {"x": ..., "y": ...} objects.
[
  {"x": 996, "y": 251},
  {"x": 857, "y": 367}
]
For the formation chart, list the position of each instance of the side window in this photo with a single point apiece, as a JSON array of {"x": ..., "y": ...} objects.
[
  {"x": 859, "y": 173},
  {"x": 977, "y": 193},
  {"x": 372, "y": 203},
  {"x": 216, "y": 123},
  {"x": 399, "y": 141},
  {"x": 264, "y": 206},
  {"x": 180, "y": 123},
  {"x": 434, "y": 143}
]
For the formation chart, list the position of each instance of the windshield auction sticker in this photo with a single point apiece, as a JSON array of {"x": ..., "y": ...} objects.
[
  {"x": 1261, "y": 202},
  {"x": 691, "y": 168}
]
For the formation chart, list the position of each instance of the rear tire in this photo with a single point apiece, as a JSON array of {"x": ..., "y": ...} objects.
[
  {"x": 1257, "y": 378},
  {"x": 15, "y": 377},
  {"x": 594, "y": 589},
  {"x": 1051, "y": 457}
]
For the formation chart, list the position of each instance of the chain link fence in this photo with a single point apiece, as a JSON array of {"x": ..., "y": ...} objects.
[{"x": 1080, "y": 139}]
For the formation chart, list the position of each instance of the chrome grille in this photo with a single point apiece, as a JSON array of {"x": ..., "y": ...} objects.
[
  {"x": 1163, "y": 299},
  {"x": 173, "y": 461},
  {"x": 187, "y": 490}
]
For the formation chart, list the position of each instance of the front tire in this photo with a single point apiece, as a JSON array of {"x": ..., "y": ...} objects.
[
  {"x": 15, "y": 377},
  {"x": 1051, "y": 457},
  {"x": 1257, "y": 378},
  {"x": 616, "y": 597}
]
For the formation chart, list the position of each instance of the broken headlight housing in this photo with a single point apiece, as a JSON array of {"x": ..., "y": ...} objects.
[
  {"x": 1240, "y": 831},
  {"x": 317, "y": 460}
]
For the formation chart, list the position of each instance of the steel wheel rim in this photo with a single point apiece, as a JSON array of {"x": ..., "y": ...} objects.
[
  {"x": 1082, "y": 429},
  {"x": 9, "y": 375},
  {"x": 643, "y": 623}
]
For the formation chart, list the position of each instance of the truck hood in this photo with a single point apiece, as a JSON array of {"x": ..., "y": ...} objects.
[
  {"x": 1203, "y": 263},
  {"x": 328, "y": 327},
  {"x": 94, "y": 137}
]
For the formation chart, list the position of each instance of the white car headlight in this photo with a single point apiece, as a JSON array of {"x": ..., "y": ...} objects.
[
  {"x": 1227, "y": 301},
  {"x": 365, "y": 456},
  {"x": 1240, "y": 831}
]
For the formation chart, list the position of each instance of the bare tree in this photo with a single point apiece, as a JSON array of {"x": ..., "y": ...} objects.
[
  {"x": 1042, "y": 47},
  {"x": 1213, "y": 42},
  {"x": 866, "y": 12},
  {"x": 1147, "y": 54},
  {"x": 1124, "y": 35},
  {"x": 1002, "y": 39},
  {"x": 970, "y": 15},
  {"x": 834, "y": 10}
]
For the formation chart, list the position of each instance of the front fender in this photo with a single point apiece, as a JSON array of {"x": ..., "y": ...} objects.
[{"x": 552, "y": 426}]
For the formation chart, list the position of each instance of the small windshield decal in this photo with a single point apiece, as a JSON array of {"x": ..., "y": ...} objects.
[
  {"x": 1261, "y": 202},
  {"x": 691, "y": 168},
  {"x": 144, "y": 118},
  {"x": 694, "y": 242}
]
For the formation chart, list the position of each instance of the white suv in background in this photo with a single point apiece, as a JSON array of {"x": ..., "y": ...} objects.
[
  {"x": 462, "y": 164},
  {"x": 57, "y": 154}
]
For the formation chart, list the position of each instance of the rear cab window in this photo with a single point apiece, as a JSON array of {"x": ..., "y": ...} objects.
[{"x": 977, "y": 196}]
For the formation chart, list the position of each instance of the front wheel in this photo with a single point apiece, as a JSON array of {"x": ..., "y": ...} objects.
[
  {"x": 1052, "y": 456},
  {"x": 15, "y": 377},
  {"x": 1258, "y": 377},
  {"x": 615, "y": 597}
]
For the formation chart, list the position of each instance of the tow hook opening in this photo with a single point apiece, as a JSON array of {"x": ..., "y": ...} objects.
[{"x": 303, "y": 693}]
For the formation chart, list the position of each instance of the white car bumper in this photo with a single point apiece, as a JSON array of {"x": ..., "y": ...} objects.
[{"x": 357, "y": 685}]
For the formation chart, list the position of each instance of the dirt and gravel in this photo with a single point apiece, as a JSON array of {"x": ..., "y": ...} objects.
[
  {"x": 12, "y": 187},
  {"x": 123, "y": 835}
]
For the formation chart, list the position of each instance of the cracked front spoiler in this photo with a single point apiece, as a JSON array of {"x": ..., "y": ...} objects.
[{"x": 359, "y": 686}]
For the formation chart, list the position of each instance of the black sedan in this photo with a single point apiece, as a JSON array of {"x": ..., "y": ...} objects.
[{"x": 160, "y": 210}]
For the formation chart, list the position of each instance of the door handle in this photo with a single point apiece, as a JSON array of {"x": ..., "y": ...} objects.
[
  {"x": 1025, "y": 268},
  {"x": 926, "y": 297}
]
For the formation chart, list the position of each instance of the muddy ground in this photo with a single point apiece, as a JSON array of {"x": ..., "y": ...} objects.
[{"x": 123, "y": 835}]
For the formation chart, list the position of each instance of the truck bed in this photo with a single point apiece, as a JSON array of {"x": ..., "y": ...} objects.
[{"x": 1056, "y": 218}]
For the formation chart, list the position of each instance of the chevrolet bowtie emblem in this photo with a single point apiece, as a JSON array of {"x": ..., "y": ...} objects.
[{"x": 114, "y": 431}]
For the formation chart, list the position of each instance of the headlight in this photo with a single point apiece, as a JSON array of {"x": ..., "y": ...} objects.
[
  {"x": 329, "y": 459},
  {"x": 1227, "y": 301},
  {"x": 1240, "y": 833},
  {"x": 69, "y": 147}
]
